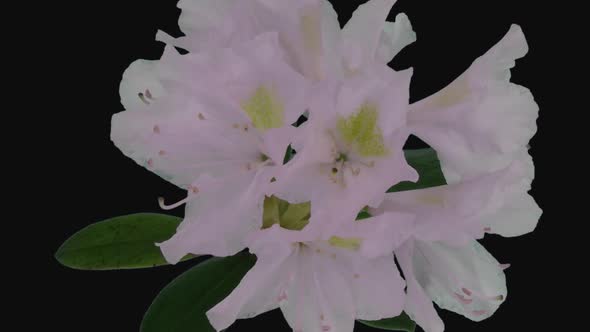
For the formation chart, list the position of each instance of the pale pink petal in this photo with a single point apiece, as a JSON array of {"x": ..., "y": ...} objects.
[
  {"x": 395, "y": 36},
  {"x": 262, "y": 288},
  {"x": 481, "y": 121},
  {"x": 178, "y": 145},
  {"x": 377, "y": 287},
  {"x": 514, "y": 212},
  {"x": 418, "y": 304},
  {"x": 318, "y": 298},
  {"x": 362, "y": 33},
  {"x": 466, "y": 280},
  {"x": 220, "y": 218}
]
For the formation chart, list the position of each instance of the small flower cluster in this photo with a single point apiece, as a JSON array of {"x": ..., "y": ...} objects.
[{"x": 218, "y": 120}]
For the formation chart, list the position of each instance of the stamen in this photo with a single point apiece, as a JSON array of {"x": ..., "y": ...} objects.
[
  {"x": 487, "y": 229},
  {"x": 466, "y": 291},
  {"x": 142, "y": 97},
  {"x": 201, "y": 116},
  {"x": 463, "y": 299},
  {"x": 156, "y": 129},
  {"x": 172, "y": 206},
  {"x": 148, "y": 94},
  {"x": 163, "y": 206},
  {"x": 326, "y": 328},
  {"x": 162, "y": 152},
  {"x": 497, "y": 298}
]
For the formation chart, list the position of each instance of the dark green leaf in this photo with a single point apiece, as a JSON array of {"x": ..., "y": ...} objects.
[
  {"x": 181, "y": 306},
  {"x": 363, "y": 215},
  {"x": 126, "y": 242},
  {"x": 289, "y": 154},
  {"x": 426, "y": 163},
  {"x": 399, "y": 323}
]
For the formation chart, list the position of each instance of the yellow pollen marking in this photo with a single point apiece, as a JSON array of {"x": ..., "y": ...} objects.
[
  {"x": 361, "y": 131},
  {"x": 264, "y": 109},
  {"x": 345, "y": 243}
]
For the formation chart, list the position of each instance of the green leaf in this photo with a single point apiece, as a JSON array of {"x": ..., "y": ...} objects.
[
  {"x": 400, "y": 323},
  {"x": 288, "y": 154},
  {"x": 426, "y": 163},
  {"x": 181, "y": 306},
  {"x": 126, "y": 242}
]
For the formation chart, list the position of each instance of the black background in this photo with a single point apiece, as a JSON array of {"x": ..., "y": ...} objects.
[{"x": 91, "y": 180}]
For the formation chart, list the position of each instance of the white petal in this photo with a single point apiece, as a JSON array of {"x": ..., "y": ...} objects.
[
  {"x": 318, "y": 299},
  {"x": 362, "y": 33},
  {"x": 139, "y": 78},
  {"x": 219, "y": 220},
  {"x": 396, "y": 35},
  {"x": 418, "y": 305},
  {"x": 172, "y": 141},
  {"x": 262, "y": 287},
  {"x": 481, "y": 121},
  {"x": 198, "y": 15},
  {"x": 378, "y": 288},
  {"x": 515, "y": 212},
  {"x": 517, "y": 217},
  {"x": 466, "y": 280},
  {"x": 331, "y": 41}
]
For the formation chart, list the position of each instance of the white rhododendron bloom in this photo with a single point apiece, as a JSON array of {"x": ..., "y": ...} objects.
[
  {"x": 218, "y": 126},
  {"x": 319, "y": 285},
  {"x": 351, "y": 149},
  {"x": 219, "y": 122},
  {"x": 481, "y": 123}
]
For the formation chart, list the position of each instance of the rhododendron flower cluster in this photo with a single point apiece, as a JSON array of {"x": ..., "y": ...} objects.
[{"x": 218, "y": 121}]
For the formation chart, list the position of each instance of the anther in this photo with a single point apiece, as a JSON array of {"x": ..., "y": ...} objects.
[
  {"x": 142, "y": 97},
  {"x": 498, "y": 298},
  {"x": 162, "y": 152},
  {"x": 201, "y": 116},
  {"x": 148, "y": 94},
  {"x": 156, "y": 129}
]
